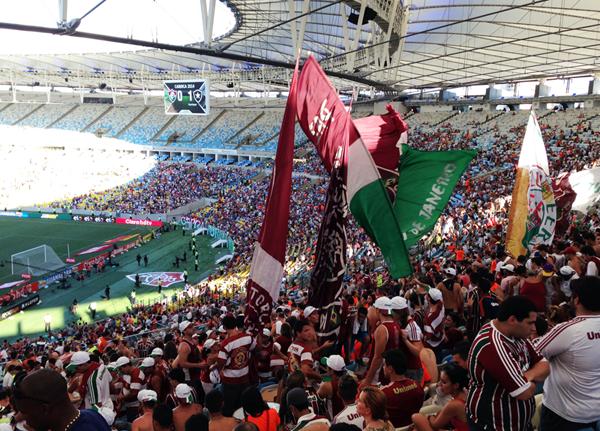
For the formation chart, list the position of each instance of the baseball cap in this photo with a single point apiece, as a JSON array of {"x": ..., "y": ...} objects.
[
  {"x": 548, "y": 270},
  {"x": 450, "y": 271},
  {"x": 508, "y": 267},
  {"x": 183, "y": 325},
  {"x": 297, "y": 397},
  {"x": 399, "y": 303},
  {"x": 147, "y": 363},
  {"x": 266, "y": 332},
  {"x": 209, "y": 343},
  {"x": 112, "y": 366},
  {"x": 309, "y": 310},
  {"x": 336, "y": 363},
  {"x": 147, "y": 395},
  {"x": 183, "y": 391},
  {"x": 209, "y": 332},
  {"x": 569, "y": 250},
  {"x": 157, "y": 351},
  {"x": 383, "y": 303},
  {"x": 123, "y": 360},
  {"x": 79, "y": 358},
  {"x": 567, "y": 270},
  {"x": 222, "y": 329},
  {"x": 435, "y": 294}
]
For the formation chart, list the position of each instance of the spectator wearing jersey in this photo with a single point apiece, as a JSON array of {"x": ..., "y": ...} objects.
[
  {"x": 571, "y": 398},
  {"x": 404, "y": 396},
  {"x": 411, "y": 342},
  {"x": 434, "y": 320},
  {"x": 592, "y": 261},
  {"x": 188, "y": 355},
  {"x": 186, "y": 408},
  {"x": 347, "y": 389},
  {"x": 148, "y": 400},
  {"x": 144, "y": 346},
  {"x": 306, "y": 420},
  {"x": 300, "y": 352},
  {"x": 94, "y": 388},
  {"x": 156, "y": 378},
  {"x": 214, "y": 404},
  {"x": 503, "y": 369},
  {"x": 133, "y": 382},
  {"x": 488, "y": 303},
  {"x": 328, "y": 390},
  {"x": 386, "y": 337},
  {"x": 371, "y": 405},
  {"x": 234, "y": 364},
  {"x": 258, "y": 412},
  {"x": 359, "y": 329},
  {"x": 453, "y": 381}
]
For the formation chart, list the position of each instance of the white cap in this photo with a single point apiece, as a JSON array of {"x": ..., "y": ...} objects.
[
  {"x": 189, "y": 316},
  {"x": 435, "y": 294},
  {"x": 147, "y": 395},
  {"x": 224, "y": 309},
  {"x": 183, "y": 325},
  {"x": 182, "y": 390},
  {"x": 565, "y": 270},
  {"x": 147, "y": 363},
  {"x": 309, "y": 310},
  {"x": 508, "y": 267},
  {"x": 157, "y": 351},
  {"x": 123, "y": 360},
  {"x": 450, "y": 271},
  {"x": 79, "y": 358},
  {"x": 209, "y": 343},
  {"x": 209, "y": 332},
  {"x": 383, "y": 303},
  {"x": 295, "y": 313},
  {"x": 222, "y": 329},
  {"x": 336, "y": 363},
  {"x": 399, "y": 303},
  {"x": 266, "y": 332}
]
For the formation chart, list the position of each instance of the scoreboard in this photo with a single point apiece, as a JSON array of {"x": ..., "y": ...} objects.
[{"x": 186, "y": 97}]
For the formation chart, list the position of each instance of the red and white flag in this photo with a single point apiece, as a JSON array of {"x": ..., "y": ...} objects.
[{"x": 266, "y": 270}]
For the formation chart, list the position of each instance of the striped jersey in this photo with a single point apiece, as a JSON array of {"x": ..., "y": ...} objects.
[
  {"x": 98, "y": 388},
  {"x": 496, "y": 366},
  {"x": 299, "y": 353},
  {"x": 234, "y": 359},
  {"x": 414, "y": 334},
  {"x": 434, "y": 327}
]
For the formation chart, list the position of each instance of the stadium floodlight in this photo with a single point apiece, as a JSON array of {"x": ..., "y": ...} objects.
[{"x": 35, "y": 261}]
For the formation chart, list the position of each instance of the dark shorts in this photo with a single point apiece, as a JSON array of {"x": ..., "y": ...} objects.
[{"x": 551, "y": 421}]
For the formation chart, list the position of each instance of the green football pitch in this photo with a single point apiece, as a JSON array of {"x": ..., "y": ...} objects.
[{"x": 21, "y": 234}]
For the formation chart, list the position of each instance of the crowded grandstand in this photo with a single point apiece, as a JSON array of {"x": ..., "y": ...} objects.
[{"x": 300, "y": 216}]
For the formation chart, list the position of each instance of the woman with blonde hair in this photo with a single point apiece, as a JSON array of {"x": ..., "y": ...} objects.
[{"x": 371, "y": 406}]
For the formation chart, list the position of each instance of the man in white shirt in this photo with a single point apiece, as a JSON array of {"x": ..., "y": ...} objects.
[
  {"x": 572, "y": 390},
  {"x": 347, "y": 390},
  {"x": 592, "y": 261}
]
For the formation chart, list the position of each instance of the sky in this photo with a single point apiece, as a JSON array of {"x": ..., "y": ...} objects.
[{"x": 168, "y": 21}]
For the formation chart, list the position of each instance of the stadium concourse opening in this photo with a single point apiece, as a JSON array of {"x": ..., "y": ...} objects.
[{"x": 87, "y": 243}]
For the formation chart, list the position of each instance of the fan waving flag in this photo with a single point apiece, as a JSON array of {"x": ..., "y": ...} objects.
[
  {"x": 533, "y": 214},
  {"x": 326, "y": 123},
  {"x": 266, "y": 269}
]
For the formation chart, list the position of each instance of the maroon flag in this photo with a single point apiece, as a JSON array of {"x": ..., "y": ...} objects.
[
  {"x": 266, "y": 269},
  {"x": 564, "y": 196}
]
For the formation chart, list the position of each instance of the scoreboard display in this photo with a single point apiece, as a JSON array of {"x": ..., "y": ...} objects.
[{"x": 186, "y": 97}]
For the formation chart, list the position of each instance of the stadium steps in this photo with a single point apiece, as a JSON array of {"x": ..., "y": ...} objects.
[
  {"x": 547, "y": 114},
  {"x": 5, "y": 107},
  {"x": 583, "y": 120},
  {"x": 29, "y": 114},
  {"x": 239, "y": 132},
  {"x": 61, "y": 117},
  {"x": 98, "y": 118},
  {"x": 493, "y": 117},
  {"x": 132, "y": 122},
  {"x": 208, "y": 126},
  {"x": 163, "y": 128},
  {"x": 446, "y": 119}
]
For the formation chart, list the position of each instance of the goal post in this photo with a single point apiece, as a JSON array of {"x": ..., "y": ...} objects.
[{"x": 35, "y": 261}]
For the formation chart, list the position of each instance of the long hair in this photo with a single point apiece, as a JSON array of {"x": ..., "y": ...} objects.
[{"x": 375, "y": 400}]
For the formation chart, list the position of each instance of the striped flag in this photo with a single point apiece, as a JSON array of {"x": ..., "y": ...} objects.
[
  {"x": 533, "y": 213},
  {"x": 266, "y": 269},
  {"x": 326, "y": 123}
]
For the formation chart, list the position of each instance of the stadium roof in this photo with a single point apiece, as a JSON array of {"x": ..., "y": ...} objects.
[{"x": 402, "y": 44}]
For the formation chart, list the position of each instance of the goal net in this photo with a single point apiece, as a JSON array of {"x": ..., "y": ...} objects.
[{"x": 35, "y": 261}]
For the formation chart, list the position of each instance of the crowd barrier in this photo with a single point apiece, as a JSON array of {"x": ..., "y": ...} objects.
[{"x": 213, "y": 232}]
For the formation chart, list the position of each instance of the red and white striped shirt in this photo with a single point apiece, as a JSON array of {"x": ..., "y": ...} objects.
[
  {"x": 299, "y": 353},
  {"x": 434, "y": 327},
  {"x": 496, "y": 367},
  {"x": 234, "y": 359}
]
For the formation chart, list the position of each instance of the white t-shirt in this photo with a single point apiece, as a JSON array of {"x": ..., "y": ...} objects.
[
  {"x": 349, "y": 416},
  {"x": 572, "y": 390},
  {"x": 592, "y": 269}
]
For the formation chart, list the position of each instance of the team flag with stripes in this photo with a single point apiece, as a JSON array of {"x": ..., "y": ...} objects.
[
  {"x": 326, "y": 123},
  {"x": 533, "y": 213},
  {"x": 266, "y": 270}
]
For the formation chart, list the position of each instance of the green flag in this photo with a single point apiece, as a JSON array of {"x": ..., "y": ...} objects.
[{"x": 426, "y": 181}]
